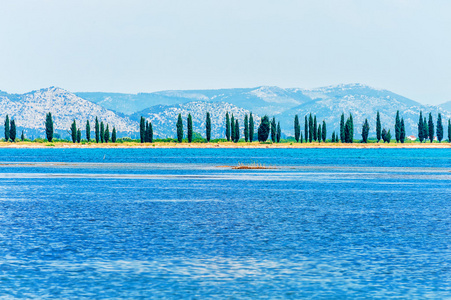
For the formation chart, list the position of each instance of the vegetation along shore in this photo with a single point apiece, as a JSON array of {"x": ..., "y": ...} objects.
[{"x": 264, "y": 134}]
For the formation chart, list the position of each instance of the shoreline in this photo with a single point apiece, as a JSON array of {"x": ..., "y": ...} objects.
[{"x": 227, "y": 145}]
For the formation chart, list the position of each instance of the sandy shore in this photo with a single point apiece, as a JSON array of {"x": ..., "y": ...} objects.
[{"x": 224, "y": 145}]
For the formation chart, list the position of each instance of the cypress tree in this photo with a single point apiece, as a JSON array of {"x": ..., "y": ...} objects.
[
  {"x": 7, "y": 128},
  {"x": 378, "y": 127},
  {"x": 73, "y": 132},
  {"x": 301, "y": 138},
  {"x": 421, "y": 127},
  {"x": 279, "y": 132},
  {"x": 348, "y": 131},
  {"x": 431, "y": 128},
  {"x": 232, "y": 128},
  {"x": 388, "y": 136},
  {"x": 449, "y": 131},
  {"x": 227, "y": 127},
  {"x": 142, "y": 129},
  {"x": 439, "y": 128},
  {"x": 263, "y": 129},
  {"x": 310, "y": 127},
  {"x": 342, "y": 128},
  {"x": 22, "y": 136},
  {"x": 315, "y": 129},
  {"x": 12, "y": 131},
  {"x": 78, "y": 136},
  {"x": 150, "y": 132},
  {"x": 180, "y": 129},
  {"x": 273, "y": 130},
  {"x": 318, "y": 134},
  {"x": 246, "y": 128},
  {"x": 147, "y": 133},
  {"x": 97, "y": 130},
  {"x": 365, "y": 131},
  {"x": 425, "y": 129},
  {"x": 403, "y": 131},
  {"x": 208, "y": 127},
  {"x": 351, "y": 129},
  {"x": 251, "y": 128},
  {"x": 102, "y": 132},
  {"x": 384, "y": 135},
  {"x": 190, "y": 128},
  {"x": 306, "y": 129},
  {"x": 49, "y": 127},
  {"x": 324, "y": 131},
  {"x": 397, "y": 127},
  {"x": 236, "y": 131},
  {"x": 88, "y": 131},
  {"x": 297, "y": 128},
  {"x": 107, "y": 134},
  {"x": 333, "y": 137},
  {"x": 113, "y": 135}
]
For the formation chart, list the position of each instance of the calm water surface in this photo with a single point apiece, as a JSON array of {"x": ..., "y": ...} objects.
[{"x": 173, "y": 223}]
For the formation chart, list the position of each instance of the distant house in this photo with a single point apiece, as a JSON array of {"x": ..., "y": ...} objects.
[{"x": 412, "y": 138}]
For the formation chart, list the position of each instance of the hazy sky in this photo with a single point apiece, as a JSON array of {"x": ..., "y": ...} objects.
[{"x": 143, "y": 46}]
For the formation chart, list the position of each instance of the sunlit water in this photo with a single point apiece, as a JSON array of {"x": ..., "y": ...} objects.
[{"x": 177, "y": 223}]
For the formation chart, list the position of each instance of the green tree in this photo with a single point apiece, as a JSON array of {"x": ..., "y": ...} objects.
[
  {"x": 315, "y": 129},
  {"x": 180, "y": 128},
  {"x": 236, "y": 132},
  {"x": 384, "y": 135},
  {"x": 351, "y": 128},
  {"x": 78, "y": 136},
  {"x": 378, "y": 127},
  {"x": 142, "y": 129},
  {"x": 421, "y": 127},
  {"x": 297, "y": 128},
  {"x": 88, "y": 131},
  {"x": 208, "y": 127},
  {"x": 107, "y": 134},
  {"x": 246, "y": 128},
  {"x": 97, "y": 130},
  {"x": 251, "y": 128},
  {"x": 397, "y": 127},
  {"x": 113, "y": 135},
  {"x": 263, "y": 129},
  {"x": 301, "y": 139},
  {"x": 146, "y": 132},
  {"x": 324, "y": 131},
  {"x": 403, "y": 131},
  {"x": 150, "y": 132},
  {"x": 306, "y": 129},
  {"x": 279, "y": 132},
  {"x": 190, "y": 128},
  {"x": 7, "y": 128},
  {"x": 439, "y": 128},
  {"x": 12, "y": 131},
  {"x": 102, "y": 132},
  {"x": 365, "y": 131},
  {"x": 425, "y": 129},
  {"x": 49, "y": 127},
  {"x": 227, "y": 127},
  {"x": 318, "y": 134},
  {"x": 431, "y": 128},
  {"x": 73, "y": 132},
  {"x": 22, "y": 136},
  {"x": 232, "y": 128},
  {"x": 273, "y": 130},
  {"x": 333, "y": 137},
  {"x": 449, "y": 131},
  {"x": 311, "y": 129},
  {"x": 342, "y": 128}
]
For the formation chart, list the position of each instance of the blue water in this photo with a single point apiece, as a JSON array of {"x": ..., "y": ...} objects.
[{"x": 176, "y": 223}]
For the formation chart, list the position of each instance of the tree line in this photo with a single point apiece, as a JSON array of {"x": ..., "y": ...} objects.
[{"x": 314, "y": 130}]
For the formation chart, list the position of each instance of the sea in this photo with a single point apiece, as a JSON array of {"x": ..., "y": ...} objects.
[{"x": 128, "y": 223}]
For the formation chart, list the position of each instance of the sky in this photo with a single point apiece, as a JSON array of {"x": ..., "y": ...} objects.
[{"x": 133, "y": 46}]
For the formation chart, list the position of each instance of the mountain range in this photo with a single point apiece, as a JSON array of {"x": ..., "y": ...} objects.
[{"x": 162, "y": 108}]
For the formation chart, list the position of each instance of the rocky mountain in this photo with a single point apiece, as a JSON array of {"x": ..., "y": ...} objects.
[
  {"x": 260, "y": 100},
  {"x": 446, "y": 106},
  {"x": 164, "y": 117},
  {"x": 29, "y": 111},
  {"x": 363, "y": 102}
]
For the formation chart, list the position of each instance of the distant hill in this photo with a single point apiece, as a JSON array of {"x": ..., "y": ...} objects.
[
  {"x": 164, "y": 117},
  {"x": 29, "y": 111},
  {"x": 446, "y": 106}
]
